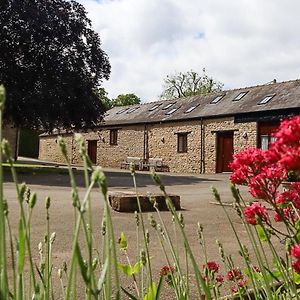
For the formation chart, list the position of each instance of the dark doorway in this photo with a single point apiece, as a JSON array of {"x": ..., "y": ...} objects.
[
  {"x": 92, "y": 151},
  {"x": 224, "y": 151}
]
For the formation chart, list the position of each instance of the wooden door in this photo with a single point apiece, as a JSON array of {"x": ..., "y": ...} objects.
[
  {"x": 92, "y": 151},
  {"x": 224, "y": 151}
]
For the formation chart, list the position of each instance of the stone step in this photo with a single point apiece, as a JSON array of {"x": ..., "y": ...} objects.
[{"x": 127, "y": 201}]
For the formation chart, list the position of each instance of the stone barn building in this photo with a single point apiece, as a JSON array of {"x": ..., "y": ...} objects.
[{"x": 190, "y": 135}]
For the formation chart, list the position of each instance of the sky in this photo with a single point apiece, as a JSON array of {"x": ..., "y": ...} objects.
[{"x": 239, "y": 42}]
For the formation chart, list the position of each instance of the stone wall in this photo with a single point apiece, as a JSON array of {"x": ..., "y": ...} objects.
[
  {"x": 163, "y": 144},
  {"x": 10, "y": 133},
  {"x": 245, "y": 134},
  {"x": 50, "y": 151},
  {"x": 130, "y": 143}
]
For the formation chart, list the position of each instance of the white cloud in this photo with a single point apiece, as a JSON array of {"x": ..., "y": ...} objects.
[{"x": 241, "y": 43}]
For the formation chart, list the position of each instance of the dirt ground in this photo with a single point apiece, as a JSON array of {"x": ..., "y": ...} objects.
[{"x": 196, "y": 199}]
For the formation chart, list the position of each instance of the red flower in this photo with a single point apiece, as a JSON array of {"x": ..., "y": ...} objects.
[
  {"x": 165, "y": 270},
  {"x": 240, "y": 283},
  {"x": 296, "y": 266},
  {"x": 246, "y": 164},
  {"x": 235, "y": 274},
  {"x": 265, "y": 185},
  {"x": 220, "y": 278},
  {"x": 277, "y": 217},
  {"x": 295, "y": 251},
  {"x": 255, "y": 211},
  {"x": 212, "y": 266}
]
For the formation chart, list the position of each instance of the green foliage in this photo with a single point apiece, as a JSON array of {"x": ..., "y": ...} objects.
[
  {"x": 121, "y": 100},
  {"x": 123, "y": 242},
  {"x": 126, "y": 99},
  {"x": 130, "y": 270},
  {"x": 51, "y": 62},
  {"x": 190, "y": 83},
  {"x": 102, "y": 95}
]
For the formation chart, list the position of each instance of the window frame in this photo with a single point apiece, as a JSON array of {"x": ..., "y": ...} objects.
[
  {"x": 217, "y": 99},
  {"x": 240, "y": 96},
  {"x": 266, "y": 99},
  {"x": 113, "y": 137},
  {"x": 182, "y": 142},
  {"x": 167, "y": 106}
]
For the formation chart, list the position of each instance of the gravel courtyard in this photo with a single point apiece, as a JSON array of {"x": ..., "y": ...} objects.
[{"x": 196, "y": 201}]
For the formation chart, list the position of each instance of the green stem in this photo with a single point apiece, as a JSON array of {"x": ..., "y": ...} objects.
[{"x": 3, "y": 262}]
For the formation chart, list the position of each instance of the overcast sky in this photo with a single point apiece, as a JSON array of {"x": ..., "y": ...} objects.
[{"x": 239, "y": 42}]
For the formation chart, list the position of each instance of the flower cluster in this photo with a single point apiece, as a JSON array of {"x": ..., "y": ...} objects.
[
  {"x": 255, "y": 212},
  {"x": 167, "y": 272},
  {"x": 212, "y": 266},
  {"x": 295, "y": 252},
  {"x": 237, "y": 278},
  {"x": 264, "y": 171}
]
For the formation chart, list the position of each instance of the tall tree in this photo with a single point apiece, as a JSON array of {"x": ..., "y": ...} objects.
[
  {"x": 103, "y": 97},
  {"x": 189, "y": 83},
  {"x": 126, "y": 99},
  {"x": 51, "y": 63}
]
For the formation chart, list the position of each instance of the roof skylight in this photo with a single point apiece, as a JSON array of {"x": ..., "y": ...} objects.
[
  {"x": 240, "y": 96},
  {"x": 217, "y": 99},
  {"x": 168, "y": 105},
  {"x": 132, "y": 110},
  {"x": 191, "y": 109},
  {"x": 155, "y": 107},
  {"x": 122, "y": 110},
  {"x": 266, "y": 99},
  {"x": 172, "y": 110}
]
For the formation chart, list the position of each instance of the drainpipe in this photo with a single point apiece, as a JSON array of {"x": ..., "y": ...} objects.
[
  {"x": 202, "y": 164},
  {"x": 146, "y": 145},
  {"x": 16, "y": 154}
]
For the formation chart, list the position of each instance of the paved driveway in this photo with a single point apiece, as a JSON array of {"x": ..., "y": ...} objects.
[{"x": 196, "y": 201}]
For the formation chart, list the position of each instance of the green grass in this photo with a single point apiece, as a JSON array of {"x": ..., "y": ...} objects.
[{"x": 37, "y": 169}]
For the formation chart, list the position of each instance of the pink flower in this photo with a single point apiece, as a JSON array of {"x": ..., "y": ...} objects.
[
  {"x": 246, "y": 164},
  {"x": 254, "y": 212},
  {"x": 235, "y": 274},
  {"x": 265, "y": 185},
  {"x": 296, "y": 266},
  {"x": 212, "y": 266},
  {"x": 295, "y": 251},
  {"x": 277, "y": 217},
  {"x": 239, "y": 284},
  {"x": 220, "y": 278},
  {"x": 287, "y": 145}
]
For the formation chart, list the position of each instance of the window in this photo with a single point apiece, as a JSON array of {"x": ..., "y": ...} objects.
[
  {"x": 191, "y": 109},
  {"x": 266, "y": 140},
  {"x": 132, "y": 110},
  {"x": 122, "y": 110},
  {"x": 171, "y": 111},
  {"x": 265, "y": 99},
  {"x": 155, "y": 107},
  {"x": 113, "y": 137},
  {"x": 217, "y": 99},
  {"x": 265, "y": 132},
  {"x": 168, "y": 105},
  {"x": 240, "y": 96},
  {"x": 182, "y": 142}
]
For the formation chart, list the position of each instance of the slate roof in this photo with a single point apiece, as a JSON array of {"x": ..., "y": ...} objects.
[{"x": 286, "y": 95}]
